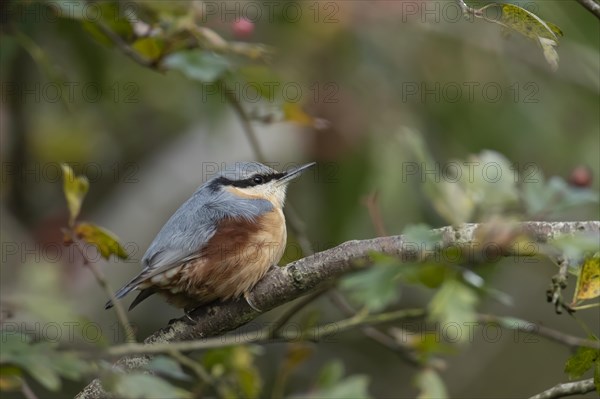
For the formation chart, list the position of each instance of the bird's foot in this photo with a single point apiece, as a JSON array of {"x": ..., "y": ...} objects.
[
  {"x": 249, "y": 301},
  {"x": 187, "y": 315}
]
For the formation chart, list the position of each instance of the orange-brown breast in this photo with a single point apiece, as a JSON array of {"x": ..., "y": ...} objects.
[{"x": 232, "y": 262}]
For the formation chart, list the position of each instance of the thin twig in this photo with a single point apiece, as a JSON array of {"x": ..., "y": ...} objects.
[
  {"x": 189, "y": 346},
  {"x": 559, "y": 283},
  {"x": 124, "y": 47},
  {"x": 27, "y": 391},
  {"x": 327, "y": 330},
  {"x": 373, "y": 333},
  {"x": 196, "y": 367},
  {"x": 463, "y": 6},
  {"x": 314, "y": 334},
  {"x": 297, "y": 226},
  {"x": 320, "y": 332},
  {"x": 279, "y": 322},
  {"x": 537, "y": 329},
  {"x": 101, "y": 280},
  {"x": 244, "y": 120},
  {"x": 199, "y": 370},
  {"x": 371, "y": 201},
  {"x": 212, "y": 41},
  {"x": 592, "y": 6},
  {"x": 39, "y": 57},
  {"x": 567, "y": 389}
]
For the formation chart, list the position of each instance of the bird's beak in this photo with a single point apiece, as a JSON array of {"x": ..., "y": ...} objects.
[{"x": 293, "y": 173}]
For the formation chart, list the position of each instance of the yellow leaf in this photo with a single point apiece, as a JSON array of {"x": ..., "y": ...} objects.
[
  {"x": 106, "y": 242},
  {"x": 10, "y": 378},
  {"x": 557, "y": 31},
  {"x": 530, "y": 25},
  {"x": 75, "y": 188},
  {"x": 293, "y": 112},
  {"x": 550, "y": 53},
  {"x": 297, "y": 354},
  {"x": 527, "y": 23},
  {"x": 588, "y": 281},
  {"x": 150, "y": 47}
]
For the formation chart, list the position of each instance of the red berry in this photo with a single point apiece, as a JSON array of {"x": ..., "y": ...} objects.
[
  {"x": 581, "y": 176},
  {"x": 243, "y": 28}
]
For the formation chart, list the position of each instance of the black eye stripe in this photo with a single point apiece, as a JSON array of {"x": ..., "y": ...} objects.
[
  {"x": 249, "y": 182},
  {"x": 262, "y": 179}
]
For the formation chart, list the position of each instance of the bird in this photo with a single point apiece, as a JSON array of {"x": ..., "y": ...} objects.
[{"x": 220, "y": 242}]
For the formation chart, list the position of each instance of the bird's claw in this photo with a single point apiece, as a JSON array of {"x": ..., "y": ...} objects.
[{"x": 249, "y": 301}]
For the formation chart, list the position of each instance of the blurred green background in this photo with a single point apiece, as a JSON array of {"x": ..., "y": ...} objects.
[{"x": 364, "y": 71}]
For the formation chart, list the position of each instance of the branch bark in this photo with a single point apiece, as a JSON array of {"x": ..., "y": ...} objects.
[
  {"x": 284, "y": 284},
  {"x": 592, "y": 6},
  {"x": 567, "y": 389}
]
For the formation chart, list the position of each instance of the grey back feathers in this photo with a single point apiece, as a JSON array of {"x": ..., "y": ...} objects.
[{"x": 195, "y": 222}]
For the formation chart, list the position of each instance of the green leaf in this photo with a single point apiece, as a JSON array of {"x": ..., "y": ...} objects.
[
  {"x": 45, "y": 298},
  {"x": 430, "y": 385},
  {"x": 75, "y": 189},
  {"x": 554, "y": 195},
  {"x": 42, "y": 372},
  {"x": 491, "y": 183},
  {"x": 235, "y": 364},
  {"x": 449, "y": 199},
  {"x": 198, "y": 65},
  {"x": 582, "y": 361},
  {"x": 40, "y": 360},
  {"x": 432, "y": 275},
  {"x": 421, "y": 236},
  {"x": 261, "y": 78},
  {"x": 249, "y": 382},
  {"x": 330, "y": 375},
  {"x": 150, "y": 47},
  {"x": 69, "y": 366},
  {"x": 575, "y": 247},
  {"x": 354, "y": 387},
  {"x": 376, "y": 287},
  {"x": 142, "y": 386},
  {"x": 13, "y": 339},
  {"x": 167, "y": 367},
  {"x": 454, "y": 303},
  {"x": 427, "y": 345},
  {"x": 66, "y": 8},
  {"x": 429, "y": 274},
  {"x": 106, "y": 242},
  {"x": 110, "y": 16},
  {"x": 330, "y": 384}
]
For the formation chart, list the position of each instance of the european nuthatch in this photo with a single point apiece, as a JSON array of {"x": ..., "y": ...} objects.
[{"x": 220, "y": 242}]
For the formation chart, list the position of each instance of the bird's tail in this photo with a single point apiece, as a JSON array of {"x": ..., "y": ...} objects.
[{"x": 122, "y": 292}]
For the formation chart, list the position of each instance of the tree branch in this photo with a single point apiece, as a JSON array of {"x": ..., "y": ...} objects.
[
  {"x": 284, "y": 284},
  {"x": 103, "y": 283},
  {"x": 592, "y": 6},
  {"x": 528, "y": 327},
  {"x": 567, "y": 389}
]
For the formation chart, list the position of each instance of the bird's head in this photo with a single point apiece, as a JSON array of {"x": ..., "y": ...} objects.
[{"x": 255, "y": 180}]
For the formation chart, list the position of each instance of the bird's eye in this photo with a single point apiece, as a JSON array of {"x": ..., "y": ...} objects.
[{"x": 258, "y": 179}]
